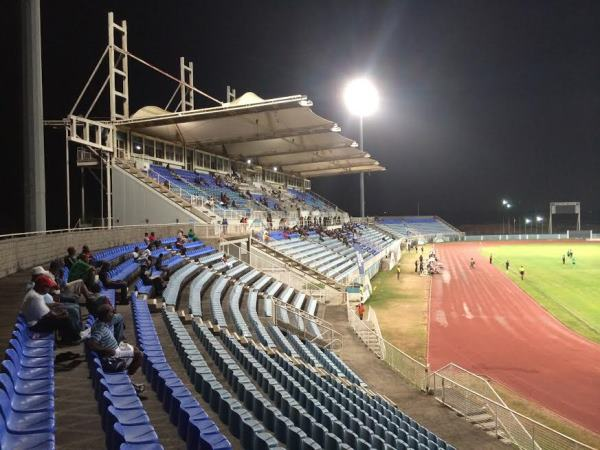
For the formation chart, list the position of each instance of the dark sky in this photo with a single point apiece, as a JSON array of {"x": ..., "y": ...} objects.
[{"x": 480, "y": 99}]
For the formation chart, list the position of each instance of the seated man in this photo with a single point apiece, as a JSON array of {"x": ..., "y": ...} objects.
[
  {"x": 71, "y": 257},
  {"x": 156, "y": 281},
  {"x": 109, "y": 283},
  {"x": 114, "y": 355},
  {"x": 43, "y": 317},
  {"x": 74, "y": 289},
  {"x": 82, "y": 270},
  {"x": 117, "y": 323},
  {"x": 191, "y": 235}
]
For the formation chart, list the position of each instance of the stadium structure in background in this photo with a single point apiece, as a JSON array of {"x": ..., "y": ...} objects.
[
  {"x": 565, "y": 208},
  {"x": 279, "y": 140}
]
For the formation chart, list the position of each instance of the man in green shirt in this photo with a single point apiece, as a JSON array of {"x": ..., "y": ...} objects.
[{"x": 81, "y": 270}]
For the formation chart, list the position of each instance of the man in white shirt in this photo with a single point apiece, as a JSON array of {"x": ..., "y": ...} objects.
[{"x": 45, "y": 318}]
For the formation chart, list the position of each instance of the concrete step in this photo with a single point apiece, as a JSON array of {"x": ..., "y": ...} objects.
[{"x": 487, "y": 426}]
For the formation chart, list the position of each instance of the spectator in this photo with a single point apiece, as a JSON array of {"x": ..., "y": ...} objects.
[
  {"x": 42, "y": 317},
  {"x": 75, "y": 288},
  {"x": 117, "y": 321},
  {"x": 146, "y": 239},
  {"x": 70, "y": 259},
  {"x": 224, "y": 224},
  {"x": 109, "y": 283},
  {"x": 115, "y": 356},
  {"x": 159, "y": 262},
  {"x": 82, "y": 270},
  {"x": 191, "y": 235},
  {"x": 156, "y": 281}
]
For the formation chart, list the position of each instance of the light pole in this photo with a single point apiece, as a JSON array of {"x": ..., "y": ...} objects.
[
  {"x": 540, "y": 220},
  {"x": 361, "y": 99},
  {"x": 527, "y": 221},
  {"x": 508, "y": 206}
]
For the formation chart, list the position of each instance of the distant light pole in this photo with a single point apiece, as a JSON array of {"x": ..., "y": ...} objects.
[
  {"x": 527, "y": 221},
  {"x": 506, "y": 205},
  {"x": 362, "y": 99},
  {"x": 540, "y": 220}
]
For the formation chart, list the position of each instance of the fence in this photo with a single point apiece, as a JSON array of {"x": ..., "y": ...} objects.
[
  {"x": 474, "y": 398},
  {"x": 515, "y": 237},
  {"x": 412, "y": 370}
]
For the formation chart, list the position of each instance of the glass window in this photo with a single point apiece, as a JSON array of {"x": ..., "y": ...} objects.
[
  {"x": 169, "y": 153},
  {"x": 160, "y": 150},
  {"x": 178, "y": 154},
  {"x": 149, "y": 147},
  {"x": 137, "y": 144}
]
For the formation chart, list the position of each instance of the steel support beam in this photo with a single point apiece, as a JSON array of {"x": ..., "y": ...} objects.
[{"x": 33, "y": 121}]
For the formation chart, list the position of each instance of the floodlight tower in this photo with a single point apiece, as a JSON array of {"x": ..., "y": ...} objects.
[{"x": 362, "y": 99}]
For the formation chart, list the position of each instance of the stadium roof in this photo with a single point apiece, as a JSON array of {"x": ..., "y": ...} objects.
[{"x": 282, "y": 132}]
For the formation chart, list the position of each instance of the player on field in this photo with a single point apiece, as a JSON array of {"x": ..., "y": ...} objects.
[
  {"x": 564, "y": 259},
  {"x": 490, "y": 258},
  {"x": 507, "y": 264},
  {"x": 472, "y": 263},
  {"x": 522, "y": 272}
]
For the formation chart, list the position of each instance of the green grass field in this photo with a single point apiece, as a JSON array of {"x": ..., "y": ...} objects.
[{"x": 570, "y": 292}]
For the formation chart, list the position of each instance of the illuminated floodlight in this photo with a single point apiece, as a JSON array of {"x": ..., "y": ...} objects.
[
  {"x": 527, "y": 220},
  {"x": 539, "y": 219},
  {"x": 504, "y": 202},
  {"x": 248, "y": 161},
  {"x": 138, "y": 147},
  {"x": 508, "y": 205},
  {"x": 275, "y": 169},
  {"x": 361, "y": 97}
]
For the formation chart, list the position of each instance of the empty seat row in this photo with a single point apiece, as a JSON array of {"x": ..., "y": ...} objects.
[
  {"x": 171, "y": 293},
  {"x": 27, "y": 391},
  {"x": 185, "y": 413},
  {"x": 231, "y": 411},
  {"x": 124, "y": 419}
]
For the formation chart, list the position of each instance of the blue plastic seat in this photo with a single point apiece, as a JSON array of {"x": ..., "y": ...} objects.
[
  {"x": 26, "y": 403},
  {"x": 30, "y": 441},
  {"x": 28, "y": 422}
]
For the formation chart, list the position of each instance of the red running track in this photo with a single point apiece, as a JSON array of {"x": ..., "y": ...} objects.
[{"x": 482, "y": 321}]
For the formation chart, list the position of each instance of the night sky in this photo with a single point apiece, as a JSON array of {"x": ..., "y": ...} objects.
[{"x": 480, "y": 99}]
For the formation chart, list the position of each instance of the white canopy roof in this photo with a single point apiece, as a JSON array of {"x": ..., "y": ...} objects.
[{"x": 281, "y": 132}]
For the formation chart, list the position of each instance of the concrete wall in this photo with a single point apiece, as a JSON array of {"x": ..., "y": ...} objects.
[
  {"x": 25, "y": 252},
  {"x": 134, "y": 203}
]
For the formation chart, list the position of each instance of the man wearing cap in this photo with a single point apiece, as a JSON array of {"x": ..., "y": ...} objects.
[
  {"x": 114, "y": 355},
  {"x": 43, "y": 317}
]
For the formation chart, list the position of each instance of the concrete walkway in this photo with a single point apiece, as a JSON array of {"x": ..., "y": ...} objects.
[{"x": 421, "y": 407}]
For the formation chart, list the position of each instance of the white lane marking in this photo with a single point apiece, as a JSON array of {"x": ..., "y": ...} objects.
[
  {"x": 440, "y": 317},
  {"x": 468, "y": 314},
  {"x": 446, "y": 277}
]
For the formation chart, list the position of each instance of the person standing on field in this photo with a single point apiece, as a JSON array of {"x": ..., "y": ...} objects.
[
  {"x": 398, "y": 272},
  {"x": 416, "y": 265},
  {"x": 490, "y": 258},
  {"x": 507, "y": 264},
  {"x": 564, "y": 259},
  {"x": 522, "y": 272}
]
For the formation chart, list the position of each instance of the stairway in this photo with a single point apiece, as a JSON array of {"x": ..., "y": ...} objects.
[
  {"x": 485, "y": 421},
  {"x": 205, "y": 214}
]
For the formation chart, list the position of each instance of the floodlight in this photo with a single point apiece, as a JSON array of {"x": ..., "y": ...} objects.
[
  {"x": 248, "y": 161},
  {"x": 361, "y": 97},
  {"x": 336, "y": 128},
  {"x": 539, "y": 219},
  {"x": 508, "y": 205},
  {"x": 275, "y": 169},
  {"x": 527, "y": 220},
  {"x": 138, "y": 147},
  {"x": 504, "y": 202}
]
